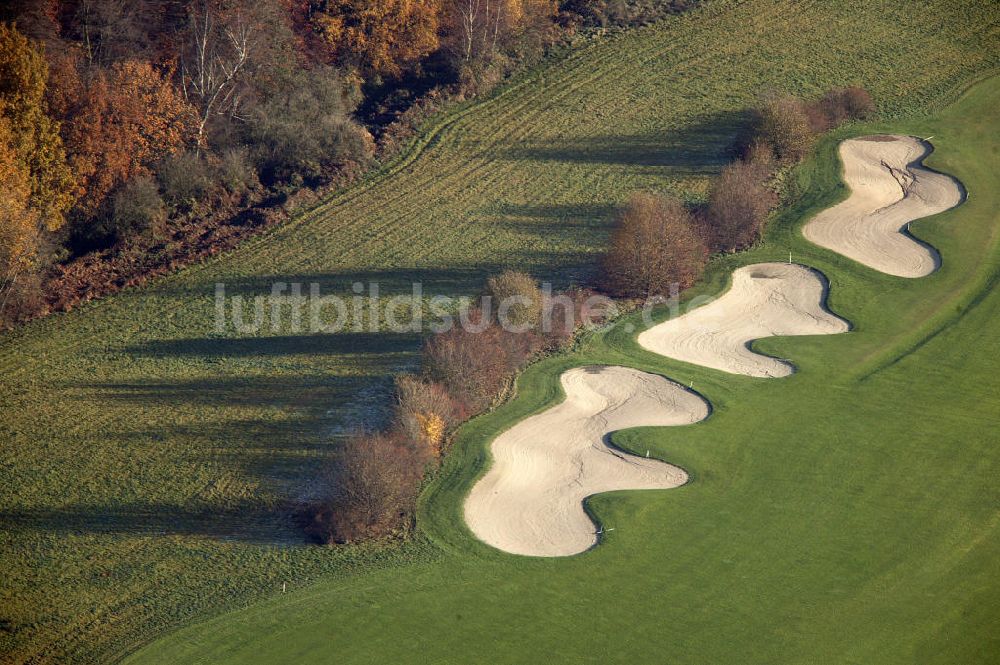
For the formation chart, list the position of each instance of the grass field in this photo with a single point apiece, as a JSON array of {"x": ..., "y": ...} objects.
[
  {"x": 148, "y": 464},
  {"x": 847, "y": 514}
]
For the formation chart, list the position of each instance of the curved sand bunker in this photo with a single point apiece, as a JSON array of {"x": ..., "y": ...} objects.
[
  {"x": 889, "y": 189},
  {"x": 531, "y": 500},
  {"x": 766, "y": 299}
]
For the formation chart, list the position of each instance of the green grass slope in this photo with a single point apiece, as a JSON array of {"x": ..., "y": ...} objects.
[
  {"x": 147, "y": 464},
  {"x": 847, "y": 514}
]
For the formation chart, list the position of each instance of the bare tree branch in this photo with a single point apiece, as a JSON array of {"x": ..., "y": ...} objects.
[{"x": 211, "y": 70}]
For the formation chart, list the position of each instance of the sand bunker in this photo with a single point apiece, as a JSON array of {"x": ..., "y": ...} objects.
[
  {"x": 766, "y": 299},
  {"x": 889, "y": 189},
  {"x": 531, "y": 500}
]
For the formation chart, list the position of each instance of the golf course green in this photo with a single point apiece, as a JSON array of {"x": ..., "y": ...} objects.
[{"x": 848, "y": 513}]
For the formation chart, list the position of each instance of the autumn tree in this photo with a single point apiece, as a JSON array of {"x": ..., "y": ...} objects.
[
  {"x": 306, "y": 124},
  {"x": 214, "y": 61},
  {"x": 382, "y": 37},
  {"x": 113, "y": 30},
  {"x": 839, "y": 105},
  {"x": 783, "y": 123},
  {"x": 35, "y": 19},
  {"x": 518, "y": 292},
  {"x": 36, "y": 184},
  {"x": 740, "y": 201},
  {"x": 424, "y": 412},
  {"x": 475, "y": 365},
  {"x": 374, "y": 486},
  {"x": 477, "y": 29},
  {"x": 18, "y": 221},
  {"x": 123, "y": 121},
  {"x": 34, "y": 135},
  {"x": 654, "y": 246},
  {"x": 307, "y": 38}
]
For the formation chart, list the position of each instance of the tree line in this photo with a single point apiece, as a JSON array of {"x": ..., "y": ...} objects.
[
  {"x": 377, "y": 474},
  {"x": 659, "y": 245},
  {"x": 137, "y": 135}
]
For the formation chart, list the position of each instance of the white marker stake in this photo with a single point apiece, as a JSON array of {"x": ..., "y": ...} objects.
[{"x": 283, "y": 584}]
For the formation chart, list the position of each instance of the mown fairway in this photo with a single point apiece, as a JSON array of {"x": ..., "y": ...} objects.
[
  {"x": 147, "y": 464},
  {"x": 846, "y": 514}
]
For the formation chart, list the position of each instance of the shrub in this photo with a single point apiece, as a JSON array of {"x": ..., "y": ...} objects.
[
  {"x": 564, "y": 312},
  {"x": 604, "y": 13},
  {"x": 783, "y": 123},
  {"x": 135, "y": 210},
  {"x": 479, "y": 77},
  {"x": 21, "y": 297},
  {"x": 789, "y": 124},
  {"x": 185, "y": 179},
  {"x": 739, "y": 202},
  {"x": 839, "y": 105},
  {"x": 475, "y": 366},
  {"x": 424, "y": 412},
  {"x": 655, "y": 244},
  {"x": 376, "y": 480},
  {"x": 760, "y": 160},
  {"x": 520, "y": 294},
  {"x": 856, "y": 102},
  {"x": 307, "y": 124},
  {"x": 235, "y": 170}
]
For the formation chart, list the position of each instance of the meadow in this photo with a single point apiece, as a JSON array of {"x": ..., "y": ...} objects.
[
  {"x": 845, "y": 514},
  {"x": 149, "y": 465}
]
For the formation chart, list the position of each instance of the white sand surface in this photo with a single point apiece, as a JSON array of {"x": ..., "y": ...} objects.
[
  {"x": 766, "y": 299},
  {"x": 531, "y": 499},
  {"x": 889, "y": 189}
]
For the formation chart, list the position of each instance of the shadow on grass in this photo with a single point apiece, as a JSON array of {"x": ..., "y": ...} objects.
[
  {"x": 230, "y": 391},
  {"x": 244, "y": 523},
  {"x": 581, "y": 229},
  {"x": 546, "y": 221},
  {"x": 263, "y": 444},
  {"x": 560, "y": 268},
  {"x": 701, "y": 147},
  {"x": 391, "y": 281},
  {"x": 281, "y": 345}
]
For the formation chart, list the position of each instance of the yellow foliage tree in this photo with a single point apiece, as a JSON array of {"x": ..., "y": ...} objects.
[
  {"x": 432, "y": 429},
  {"x": 34, "y": 136},
  {"x": 18, "y": 222},
  {"x": 382, "y": 37}
]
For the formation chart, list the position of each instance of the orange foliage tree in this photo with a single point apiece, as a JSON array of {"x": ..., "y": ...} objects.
[
  {"x": 18, "y": 221},
  {"x": 34, "y": 136},
  {"x": 36, "y": 184},
  {"x": 121, "y": 121},
  {"x": 654, "y": 247},
  {"x": 381, "y": 37}
]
